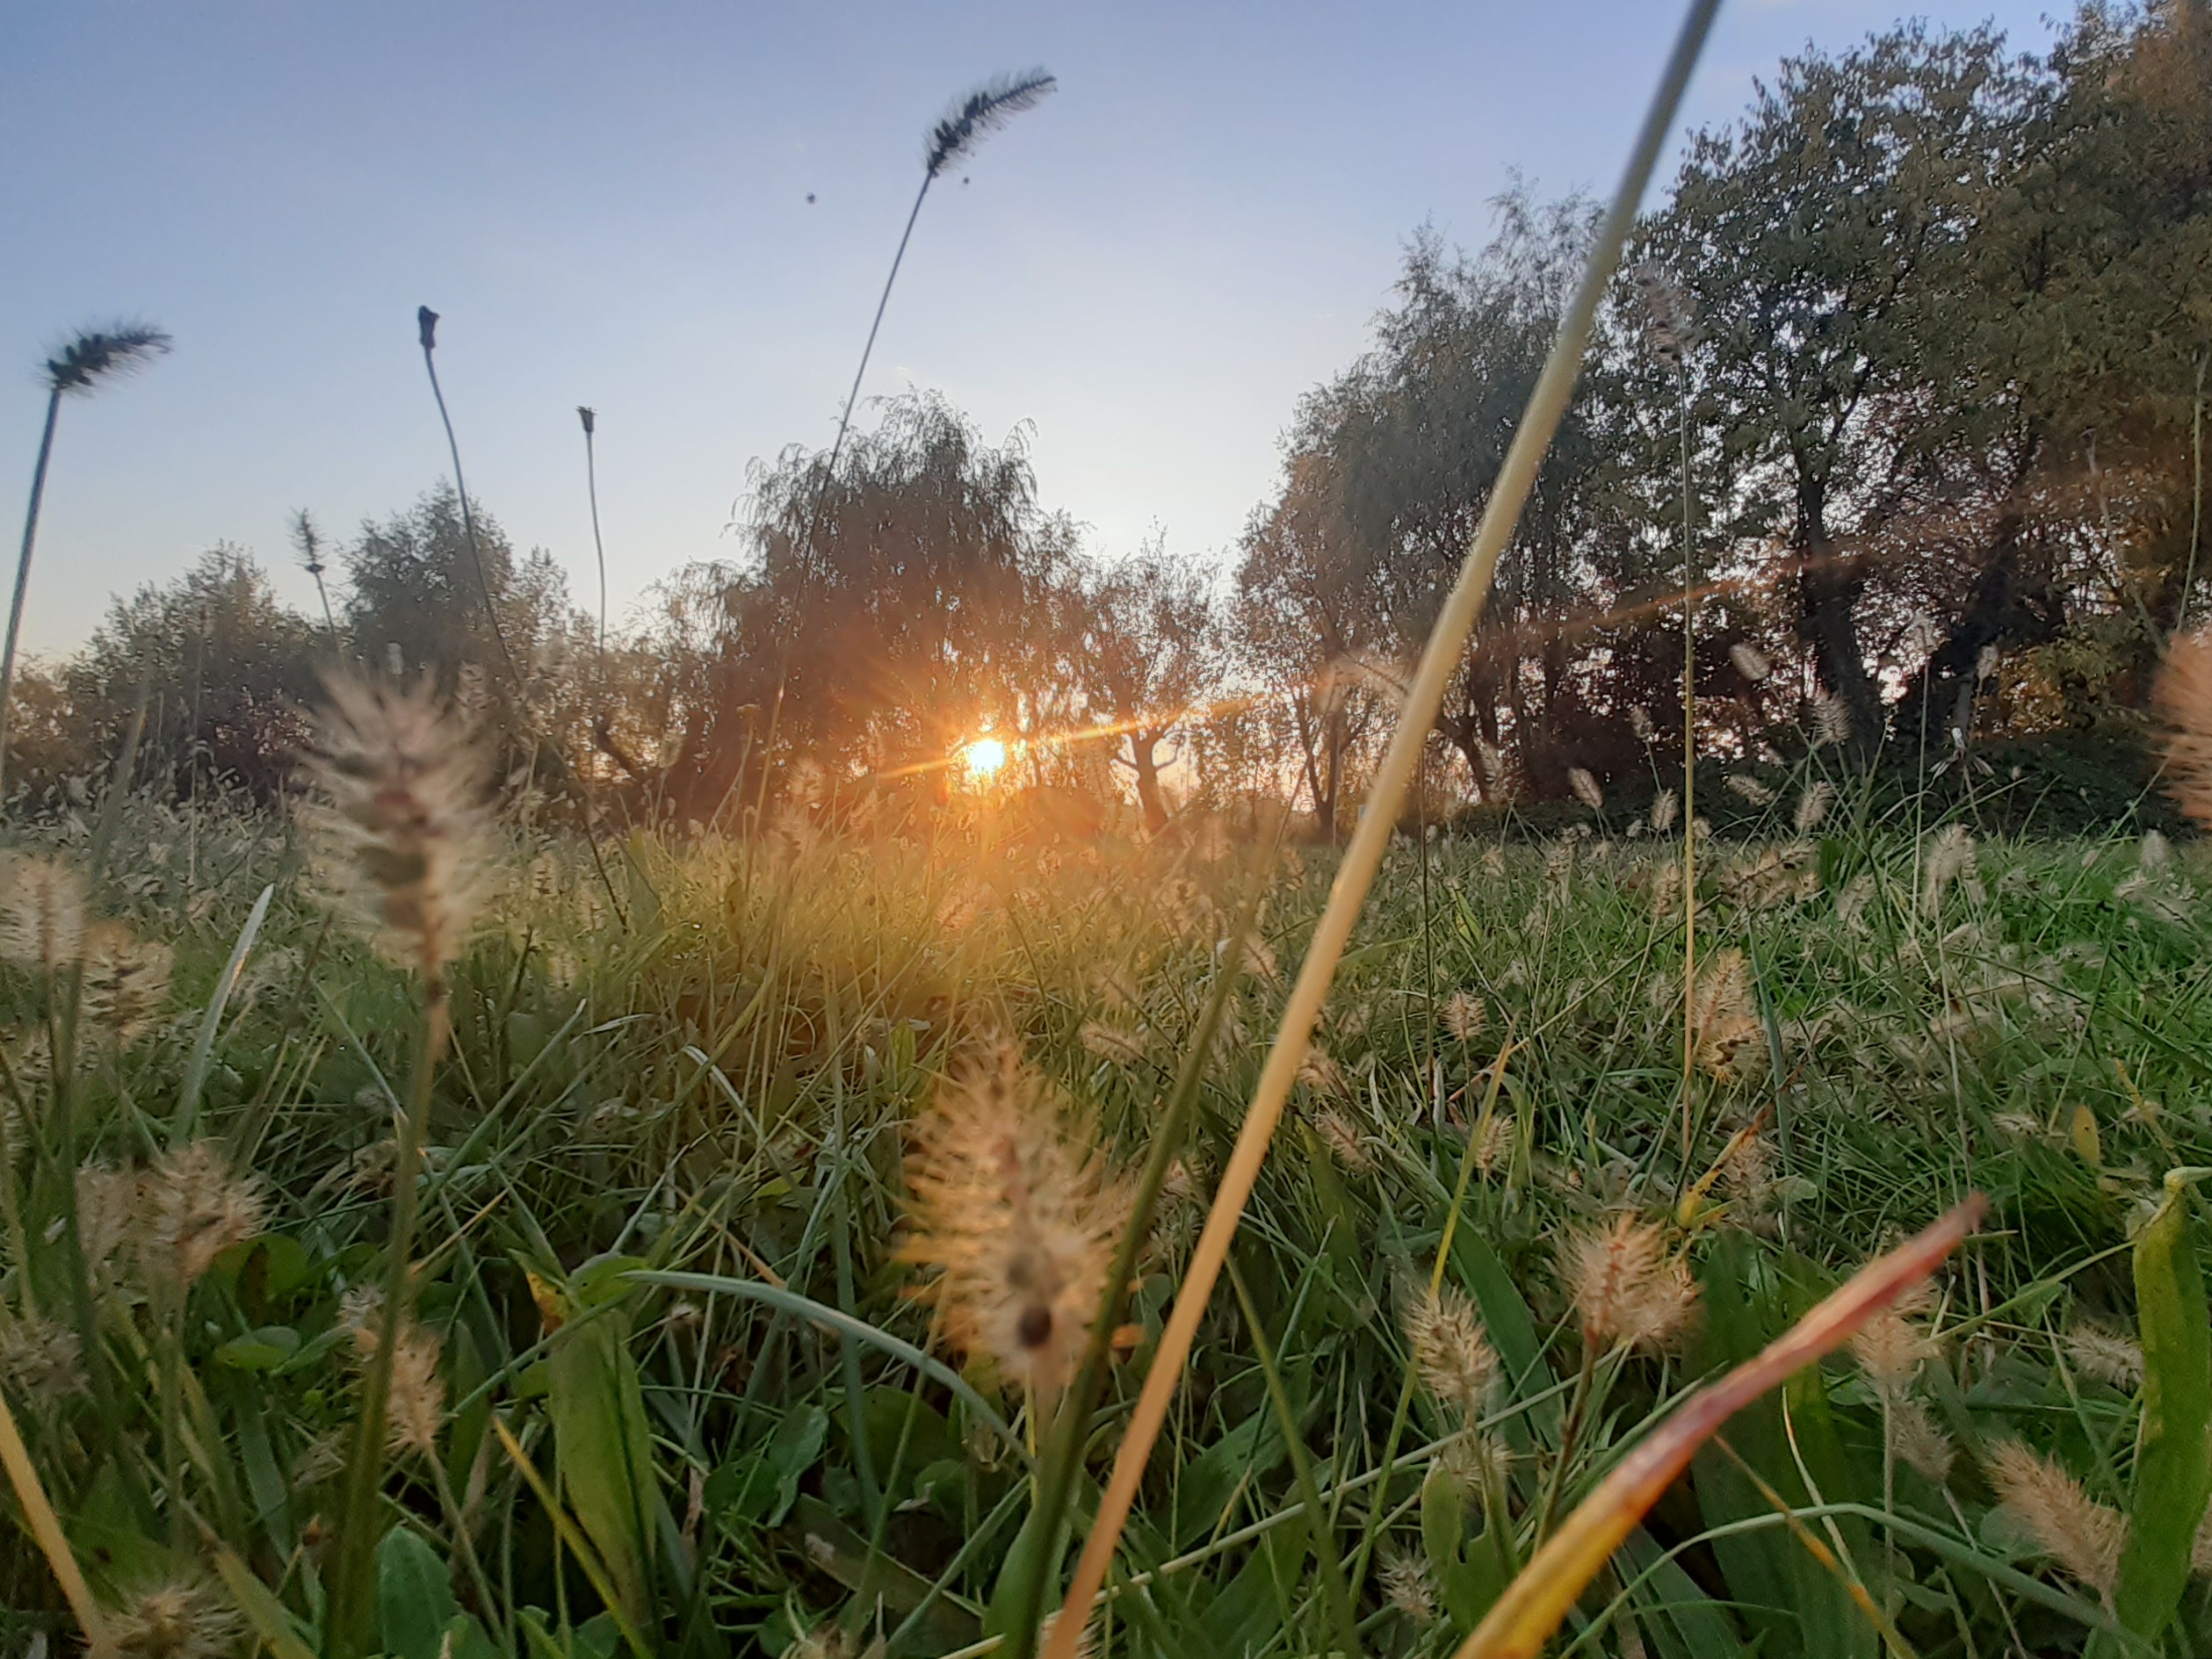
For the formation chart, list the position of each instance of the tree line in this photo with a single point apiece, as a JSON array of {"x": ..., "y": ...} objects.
[{"x": 1904, "y": 383}]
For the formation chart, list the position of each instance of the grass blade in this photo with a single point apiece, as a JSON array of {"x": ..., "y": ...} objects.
[
  {"x": 1409, "y": 740},
  {"x": 46, "y": 1527},
  {"x": 2174, "y": 1443},
  {"x": 211, "y": 1023},
  {"x": 1534, "y": 1604}
]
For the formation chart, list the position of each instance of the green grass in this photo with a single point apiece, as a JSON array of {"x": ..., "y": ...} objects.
[{"x": 708, "y": 1071}]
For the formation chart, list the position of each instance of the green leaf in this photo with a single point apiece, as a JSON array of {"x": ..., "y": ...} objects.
[
  {"x": 1211, "y": 1480},
  {"x": 1443, "y": 1531},
  {"x": 1513, "y": 1332},
  {"x": 761, "y": 1486},
  {"x": 603, "y": 1450},
  {"x": 272, "y": 1623},
  {"x": 413, "y": 1596},
  {"x": 262, "y": 1349},
  {"x": 2173, "y": 1440}
]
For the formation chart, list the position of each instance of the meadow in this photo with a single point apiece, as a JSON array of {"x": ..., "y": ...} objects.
[
  {"x": 533, "y": 1149},
  {"x": 675, "y": 1379}
]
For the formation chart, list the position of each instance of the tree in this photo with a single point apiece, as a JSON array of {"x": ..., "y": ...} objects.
[
  {"x": 905, "y": 621},
  {"x": 414, "y": 603},
  {"x": 1148, "y": 651},
  {"x": 1821, "y": 237},
  {"x": 1390, "y": 467},
  {"x": 226, "y": 672}
]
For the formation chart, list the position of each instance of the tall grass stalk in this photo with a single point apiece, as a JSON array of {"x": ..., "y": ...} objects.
[
  {"x": 353, "y": 1574},
  {"x": 91, "y": 356},
  {"x": 426, "y": 334},
  {"x": 955, "y": 136},
  {"x": 308, "y": 537},
  {"x": 591, "y": 420},
  {"x": 1689, "y": 769},
  {"x": 1063, "y": 1455},
  {"x": 2197, "y": 493},
  {"x": 1461, "y": 609}
]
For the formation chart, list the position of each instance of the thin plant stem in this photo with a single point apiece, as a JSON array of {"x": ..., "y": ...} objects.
[
  {"x": 2196, "y": 494},
  {"x": 1689, "y": 765},
  {"x": 1057, "y": 1477},
  {"x": 427, "y": 321},
  {"x": 1477, "y": 1129},
  {"x": 23, "y": 576},
  {"x": 599, "y": 548},
  {"x": 1355, "y": 875},
  {"x": 352, "y": 1583}
]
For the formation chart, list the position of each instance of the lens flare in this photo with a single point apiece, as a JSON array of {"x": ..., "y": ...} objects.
[{"x": 983, "y": 758}]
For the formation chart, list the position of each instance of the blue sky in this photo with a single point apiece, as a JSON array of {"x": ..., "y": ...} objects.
[{"x": 608, "y": 202}]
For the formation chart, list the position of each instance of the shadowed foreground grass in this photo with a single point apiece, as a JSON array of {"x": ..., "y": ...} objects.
[{"x": 704, "y": 1068}]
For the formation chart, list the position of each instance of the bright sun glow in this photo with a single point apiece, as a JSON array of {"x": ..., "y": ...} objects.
[{"x": 983, "y": 758}]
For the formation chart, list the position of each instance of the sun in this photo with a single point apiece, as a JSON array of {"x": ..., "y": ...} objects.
[{"x": 983, "y": 758}]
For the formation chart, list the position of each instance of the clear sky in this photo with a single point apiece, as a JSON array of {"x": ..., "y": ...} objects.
[{"x": 609, "y": 202}]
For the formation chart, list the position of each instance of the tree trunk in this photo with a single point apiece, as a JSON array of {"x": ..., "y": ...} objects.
[
  {"x": 1142, "y": 752},
  {"x": 1944, "y": 690},
  {"x": 1829, "y": 584}
]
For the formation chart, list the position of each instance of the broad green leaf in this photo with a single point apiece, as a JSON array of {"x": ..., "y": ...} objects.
[
  {"x": 262, "y": 1349},
  {"x": 760, "y": 1487},
  {"x": 604, "y": 1453},
  {"x": 1209, "y": 1481},
  {"x": 413, "y": 1596},
  {"x": 1443, "y": 1530},
  {"x": 2173, "y": 1437}
]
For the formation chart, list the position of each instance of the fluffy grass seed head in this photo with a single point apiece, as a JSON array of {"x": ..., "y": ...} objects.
[
  {"x": 1627, "y": 1288},
  {"x": 403, "y": 823},
  {"x": 2082, "y": 1535},
  {"x": 1586, "y": 789},
  {"x": 1749, "y": 663},
  {"x": 1407, "y": 1586},
  {"x": 41, "y": 913},
  {"x": 1342, "y": 1136},
  {"x": 1830, "y": 721},
  {"x": 110, "y": 351},
  {"x": 126, "y": 982},
  {"x": 198, "y": 1210},
  {"x": 1721, "y": 1017},
  {"x": 1322, "y": 1075},
  {"x": 416, "y": 1407},
  {"x": 111, "y": 1208},
  {"x": 41, "y": 1361},
  {"x": 1748, "y": 788},
  {"x": 1493, "y": 1143},
  {"x": 1813, "y": 805},
  {"x": 1919, "y": 1441},
  {"x": 2106, "y": 1355},
  {"x": 1950, "y": 855},
  {"x": 1890, "y": 1348},
  {"x": 1668, "y": 313},
  {"x": 1115, "y": 1044},
  {"x": 1667, "y": 806},
  {"x": 183, "y": 1619},
  {"x": 1450, "y": 1351},
  {"x": 1464, "y": 1016},
  {"x": 1016, "y": 1212}
]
